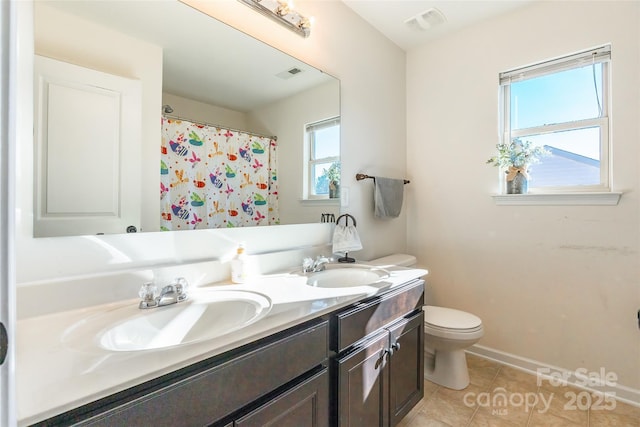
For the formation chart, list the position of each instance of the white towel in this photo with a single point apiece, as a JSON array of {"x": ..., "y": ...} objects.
[
  {"x": 388, "y": 197},
  {"x": 346, "y": 239}
]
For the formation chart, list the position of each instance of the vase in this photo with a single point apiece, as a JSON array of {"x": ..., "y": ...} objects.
[
  {"x": 518, "y": 185},
  {"x": 334, "y": 190}
]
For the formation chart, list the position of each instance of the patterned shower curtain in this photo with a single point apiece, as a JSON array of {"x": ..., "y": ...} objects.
[{"x": 212, "y": 177}]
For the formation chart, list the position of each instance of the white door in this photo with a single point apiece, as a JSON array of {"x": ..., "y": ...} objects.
[{"x": 87, "y": 150}]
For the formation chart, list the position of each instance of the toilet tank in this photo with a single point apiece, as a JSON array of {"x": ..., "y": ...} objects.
[{"x": 402, "y": 260}]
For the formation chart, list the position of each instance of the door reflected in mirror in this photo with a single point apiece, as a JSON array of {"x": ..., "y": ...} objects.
[{"x": 214, "y": 78}]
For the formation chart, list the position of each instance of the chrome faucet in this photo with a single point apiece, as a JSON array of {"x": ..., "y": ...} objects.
[
  {"x": 313, "y": 266},
  {"x": 173, "y": 293}
]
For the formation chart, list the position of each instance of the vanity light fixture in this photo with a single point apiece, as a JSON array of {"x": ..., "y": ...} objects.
[{"x": 282, "y": 12}]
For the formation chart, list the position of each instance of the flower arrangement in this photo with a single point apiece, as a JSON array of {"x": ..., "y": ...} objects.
[
  {"x": 333, "y": 173},
  {"x": 517, "y": 154},
  {"x": 515, "y": 157}
]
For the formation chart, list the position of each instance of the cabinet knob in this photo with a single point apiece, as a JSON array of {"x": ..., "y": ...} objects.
[{"x": 394, "y": 347}]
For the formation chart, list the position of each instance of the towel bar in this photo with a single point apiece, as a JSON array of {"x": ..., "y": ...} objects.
[{"x": 361, "y": 176}]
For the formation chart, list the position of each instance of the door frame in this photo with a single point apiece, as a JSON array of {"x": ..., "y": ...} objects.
[{"x": 14, "y": 127}]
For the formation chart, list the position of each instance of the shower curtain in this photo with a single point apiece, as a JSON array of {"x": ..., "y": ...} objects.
[{"x": 212, "y": 177}]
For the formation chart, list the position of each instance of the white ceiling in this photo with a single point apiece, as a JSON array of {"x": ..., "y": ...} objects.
[
  {"x": 239, "y": 71},
  {"x": 203, "y": 59},
  {"x": 389, "y": 16}
]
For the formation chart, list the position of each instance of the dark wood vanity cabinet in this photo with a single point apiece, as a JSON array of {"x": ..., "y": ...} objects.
[
  {"x": 359, "y": 366},
  {"x": 283, "y": 378},
  {"x": 380, "y": 375}
]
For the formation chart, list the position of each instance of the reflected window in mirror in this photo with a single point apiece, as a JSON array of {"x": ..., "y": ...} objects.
[{"x": 323, "y": 165}]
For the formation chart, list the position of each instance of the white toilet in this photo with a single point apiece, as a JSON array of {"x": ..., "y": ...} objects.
[{"x": 447, "y": 334}]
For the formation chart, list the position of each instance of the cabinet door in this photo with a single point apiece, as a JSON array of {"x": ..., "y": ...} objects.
[
  {"x": 406, "y": 366},
  {"x": 304, "y": 405},
  {"x": 362, "y": 380}
]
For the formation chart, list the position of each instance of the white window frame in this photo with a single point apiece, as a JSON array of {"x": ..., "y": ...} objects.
[
  {"x": 597, "y": 55},
  {"x": 309, "y": 187}
]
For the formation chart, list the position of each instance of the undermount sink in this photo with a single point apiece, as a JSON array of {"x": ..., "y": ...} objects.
[
  {"x": 346, "y": 276},
  {"x": 205, "y": 315}
]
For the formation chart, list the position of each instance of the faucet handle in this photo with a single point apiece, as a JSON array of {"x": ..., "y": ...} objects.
[
  {"x": 307, "y": 264},
  {"x": 147, "y": 293},
  {"x": 181, "y": 286}
]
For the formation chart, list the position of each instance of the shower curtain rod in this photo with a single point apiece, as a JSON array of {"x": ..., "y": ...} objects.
[{"x": 171, "y": 116}]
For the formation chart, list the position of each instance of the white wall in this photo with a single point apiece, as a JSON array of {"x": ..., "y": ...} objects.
[
  {"x": 287, "y": 120},
  {"x": 207, "y": 113},
  {"x": 556, "y": 284}
]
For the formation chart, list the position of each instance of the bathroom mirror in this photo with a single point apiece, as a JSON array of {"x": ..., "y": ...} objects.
[{"x": 208, "y": 73}]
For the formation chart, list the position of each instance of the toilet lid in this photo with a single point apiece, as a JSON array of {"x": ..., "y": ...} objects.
[{"x": 450, "y": 318}]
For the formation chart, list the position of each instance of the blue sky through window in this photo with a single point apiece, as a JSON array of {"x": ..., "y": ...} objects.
[{"x": 327, "y": 142}]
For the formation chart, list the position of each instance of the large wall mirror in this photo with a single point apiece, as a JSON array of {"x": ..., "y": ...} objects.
[{"x": 184, "y": 74}]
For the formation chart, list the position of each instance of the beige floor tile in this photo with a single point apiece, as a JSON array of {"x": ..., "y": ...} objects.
[
  {"x": 481, "y": 371},
  {"x": 619, "y": 408},
  {"x": 426, "y": 422},
  {"x": 482, "y": 378},
  {"x": 565, "y": 402},
  {"x": 405, "y": 422},
  {"x": 514, "y": 381},
  {"x": 500, "y": 416},
  {"x": 446, "y": 410},
  {"x": 620, "y": 414},
  {"x": 430, "y": 388},
  {"x": 548, "y": 419},
  {"x": 466, "y": 397},
  {"x": 474, "y": 361}
]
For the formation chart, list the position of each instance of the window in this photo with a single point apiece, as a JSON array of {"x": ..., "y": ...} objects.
[
  {"x": 563, "y": 106},
  {"x": 323, "y": 167}
]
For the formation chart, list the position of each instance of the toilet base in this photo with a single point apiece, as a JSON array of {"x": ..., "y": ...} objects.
[{"x": 447, "y": 368}]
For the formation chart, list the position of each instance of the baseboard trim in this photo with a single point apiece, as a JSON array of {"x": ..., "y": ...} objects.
[{"x": 619, "y": 392}]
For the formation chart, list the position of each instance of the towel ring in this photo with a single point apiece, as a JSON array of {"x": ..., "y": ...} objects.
[
  {"x": 346, "y": 258},
  {"x": 346, "y": 219}
]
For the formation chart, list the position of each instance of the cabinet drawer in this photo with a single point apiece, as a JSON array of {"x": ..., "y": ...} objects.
[
  {"x": 305, "y": 405},
  {"x": 210, "y": 395},
  {"x": 359, "y": 321}
]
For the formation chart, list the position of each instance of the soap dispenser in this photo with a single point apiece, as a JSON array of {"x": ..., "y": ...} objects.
[{"x": 239, "y": 265}]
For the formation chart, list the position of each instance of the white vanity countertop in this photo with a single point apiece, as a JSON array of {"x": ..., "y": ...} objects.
[{"x": 56, "y": 374}]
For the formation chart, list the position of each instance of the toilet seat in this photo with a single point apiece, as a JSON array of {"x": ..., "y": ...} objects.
[{"x": 448, "y": 319}]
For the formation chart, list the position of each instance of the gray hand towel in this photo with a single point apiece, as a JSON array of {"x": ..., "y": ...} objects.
[{"x": 388, "y": 197}]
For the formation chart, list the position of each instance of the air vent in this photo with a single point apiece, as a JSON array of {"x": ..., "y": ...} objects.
[
  {"x": 426, "y": 20},
  {"x": 289, "y": 73}
]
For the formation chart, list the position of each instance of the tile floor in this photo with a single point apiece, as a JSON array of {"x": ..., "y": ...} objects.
[{"x": 480, "y": 404}]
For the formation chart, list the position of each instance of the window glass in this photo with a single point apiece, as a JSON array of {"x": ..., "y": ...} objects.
[
  {"x": 574, "y": 158},
  {"x": 320, "y": 178},
  {"x": 327, "y": 142},
  {"x": 323, "y": 168},
  {"x": 555, "y": 98}
]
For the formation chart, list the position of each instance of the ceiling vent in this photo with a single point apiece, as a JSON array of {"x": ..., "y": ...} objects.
[
  {"x": 426, "y": 20},
  {"x": 289, "y": 73}
]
